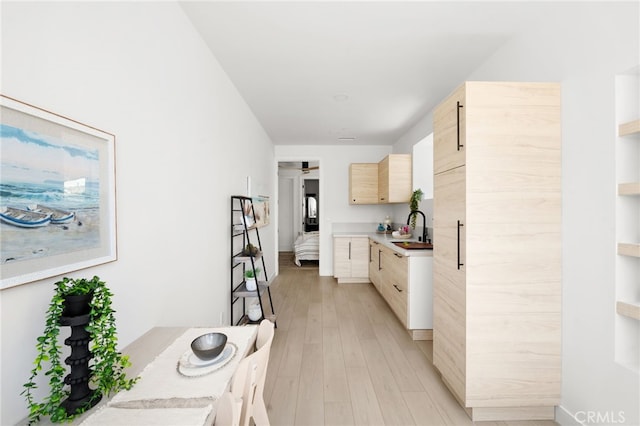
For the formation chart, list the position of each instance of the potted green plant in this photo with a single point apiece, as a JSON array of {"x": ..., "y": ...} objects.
[
  {"x": 250, "y": 278},
  {"x": 414, "y": 204},
  {"x": 106, "y": 365}
]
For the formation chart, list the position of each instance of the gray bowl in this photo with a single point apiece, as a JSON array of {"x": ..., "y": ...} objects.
[{"x": 208, "y": 346}]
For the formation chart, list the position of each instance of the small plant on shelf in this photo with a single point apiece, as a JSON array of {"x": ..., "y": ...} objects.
[
  {"x": 250, "y": 276},
  {"x": 249, "y": 273}
]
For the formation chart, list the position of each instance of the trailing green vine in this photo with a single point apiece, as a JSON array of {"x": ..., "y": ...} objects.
[
  {"x": 107, "y": 364},
  {"x": 414, "y": 204}
]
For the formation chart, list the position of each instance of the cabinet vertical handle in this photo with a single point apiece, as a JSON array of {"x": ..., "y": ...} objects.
[
  {"x": 379, "y": 260},
  {"x": 458, "y": 124},
  {"x": 349, "y": 250},
  {"x": 459, "y": 226},
  {"x": 398, "y": 288}
]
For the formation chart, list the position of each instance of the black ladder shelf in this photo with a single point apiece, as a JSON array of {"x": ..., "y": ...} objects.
[{"x": 243, "y": 228}]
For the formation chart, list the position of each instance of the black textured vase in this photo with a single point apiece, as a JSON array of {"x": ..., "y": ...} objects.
[
  {"x": 76, "y": 305},
  {"x": 76, "y": 314}
]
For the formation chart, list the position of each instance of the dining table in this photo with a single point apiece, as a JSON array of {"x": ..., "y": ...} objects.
[{"x": 174, "y": 387}]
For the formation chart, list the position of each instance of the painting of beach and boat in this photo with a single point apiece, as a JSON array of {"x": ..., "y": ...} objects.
[{"x": 57, "y": 195}]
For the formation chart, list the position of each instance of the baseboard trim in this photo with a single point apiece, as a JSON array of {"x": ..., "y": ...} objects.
[
  {"x": 353, "y": 280},
  {"x": 421, "y": 334},
  {"x": 565, "y": 418},
  {"x": 479, "y": 414}
]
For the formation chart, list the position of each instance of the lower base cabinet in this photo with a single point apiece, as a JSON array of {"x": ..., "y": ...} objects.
[
  {"x": 405, "y": 283},
  {"x": 351, "y": 259}
]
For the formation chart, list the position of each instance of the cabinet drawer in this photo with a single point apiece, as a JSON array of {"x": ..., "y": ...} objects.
[
  {"x": 396, "y": 296},
  {"x": 396, "y": 284},
  {"x": 398, "y": 268}
]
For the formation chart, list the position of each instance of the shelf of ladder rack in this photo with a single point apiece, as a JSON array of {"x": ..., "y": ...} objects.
[{"x": 241, "y": 290}]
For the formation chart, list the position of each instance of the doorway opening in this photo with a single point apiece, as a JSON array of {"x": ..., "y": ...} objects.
[{"x": 299, "y": 214}]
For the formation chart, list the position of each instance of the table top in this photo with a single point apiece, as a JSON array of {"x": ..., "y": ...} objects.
[{"x": 162, "y": 391}]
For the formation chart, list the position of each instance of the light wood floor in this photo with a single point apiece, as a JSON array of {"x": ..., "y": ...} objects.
[{"x": 341, "y": 357}]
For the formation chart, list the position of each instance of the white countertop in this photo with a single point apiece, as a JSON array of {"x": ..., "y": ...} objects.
[{"x": 386, "y": 240}]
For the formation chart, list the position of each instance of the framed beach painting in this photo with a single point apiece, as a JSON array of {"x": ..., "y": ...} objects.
[
  {"x": 57, "y": 194},
  {"x": 261, "y": 211}
]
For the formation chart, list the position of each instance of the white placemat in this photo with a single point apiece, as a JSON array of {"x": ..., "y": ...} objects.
[
  {"x": 110, "y": 416},
  {"x": 162, "y": 386}
]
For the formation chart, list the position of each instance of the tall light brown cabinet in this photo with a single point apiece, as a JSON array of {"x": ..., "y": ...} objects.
[{"x": 497, "y": 248}]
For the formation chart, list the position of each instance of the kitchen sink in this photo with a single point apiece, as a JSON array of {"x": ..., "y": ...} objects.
[{"x": 413, "y": 245}]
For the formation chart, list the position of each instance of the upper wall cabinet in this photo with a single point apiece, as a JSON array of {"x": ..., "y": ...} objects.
[
  {"x": 363, "y": 183},
  {"x": 389, "y": 181},
  {"x": 449, "y": 142},
  {"x": 395, "y": 179}
]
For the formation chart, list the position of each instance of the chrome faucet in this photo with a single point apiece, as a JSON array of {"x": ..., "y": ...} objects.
[{"x": 424, "y": 223}]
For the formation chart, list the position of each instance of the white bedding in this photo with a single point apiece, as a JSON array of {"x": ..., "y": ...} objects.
[{"x": 307, "y": 247}]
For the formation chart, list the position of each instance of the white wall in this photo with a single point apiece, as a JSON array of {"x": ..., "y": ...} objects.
[
  {"x": 285, "y": 202},
  {"x": 583, "y": 46},
  {"x": 418, "y": 142},
  {"x": 138, "y": 70}
]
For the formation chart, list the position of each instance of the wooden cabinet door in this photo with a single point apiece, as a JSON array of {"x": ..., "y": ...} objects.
[
  {"x": 359, "y": 257},
  {"x": 400, "y": 179},
  {"x": 395, "y": 179},
  {"x": 384, "y": 260},
  {"x": 375, "y": 253},
  {"x": 363, "y": 183},
  {"x": 449, "y": 278},
  {"x": 383, "y": 181},
  {"x": 351, "y": 258},
  {"x": 341, "y": 257},
  {"x": 398, "y": 286},
  {"x": 449, "y": 132}
]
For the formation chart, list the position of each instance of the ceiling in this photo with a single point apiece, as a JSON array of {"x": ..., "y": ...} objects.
[{"x": 356, "y": 73}]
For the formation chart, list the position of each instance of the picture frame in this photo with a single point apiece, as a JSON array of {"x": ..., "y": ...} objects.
[
  {"x": 262, "y": 210},
  {"x": 57, "y": 194},
  {"x": 260, "y": 214}
]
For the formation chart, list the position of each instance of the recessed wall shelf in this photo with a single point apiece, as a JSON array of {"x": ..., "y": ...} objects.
[
  {"x": 630, "y": 128},
  {"x": 631, "y": 310},
  {"x": 630, "y": 188},
  {"x": 627, "y": 249},
  {"x": 627, "y": 169}
]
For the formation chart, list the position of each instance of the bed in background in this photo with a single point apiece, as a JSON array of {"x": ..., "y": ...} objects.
[{"x": 306, "y": 247}]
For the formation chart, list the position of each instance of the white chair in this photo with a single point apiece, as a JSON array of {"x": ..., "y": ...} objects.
[
  {"x": 228, "y": 410},
  {"x": 248, "y": 380}
]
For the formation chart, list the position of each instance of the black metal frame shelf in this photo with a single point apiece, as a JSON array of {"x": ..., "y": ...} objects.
[{"x": 242, "y": 235}]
